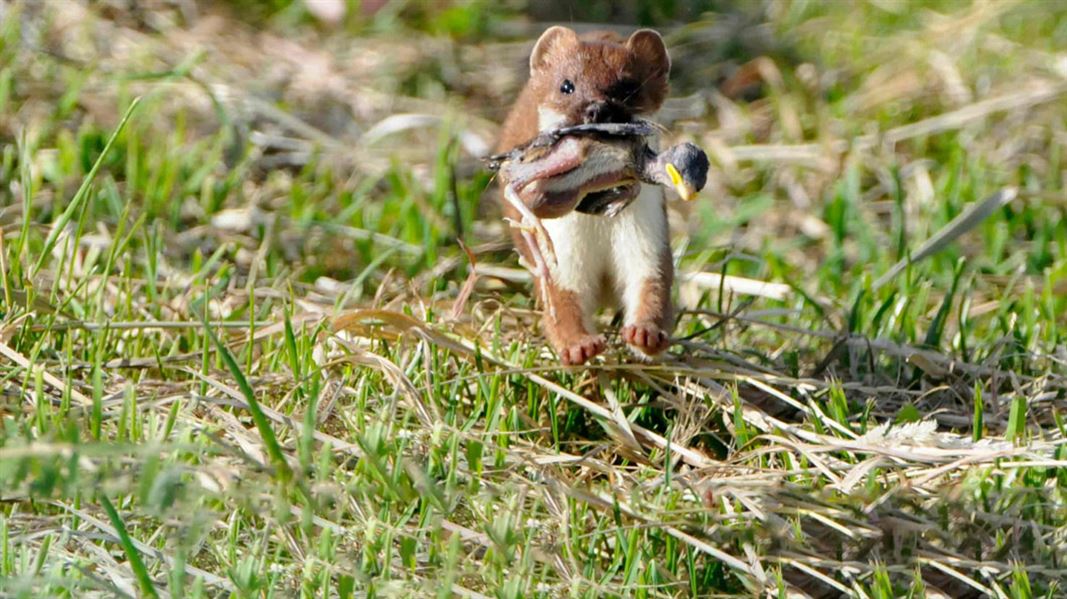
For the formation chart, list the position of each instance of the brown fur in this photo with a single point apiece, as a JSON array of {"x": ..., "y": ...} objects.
[
  {"x": 565, "y": 328},
  {"x": 654, "y": 316}
]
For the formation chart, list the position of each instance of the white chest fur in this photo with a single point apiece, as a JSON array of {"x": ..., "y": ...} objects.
[{"x": 625, "y": 249}]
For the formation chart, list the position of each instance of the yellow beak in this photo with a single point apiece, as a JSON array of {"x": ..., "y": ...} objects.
[{"x": 684, "y": 190}]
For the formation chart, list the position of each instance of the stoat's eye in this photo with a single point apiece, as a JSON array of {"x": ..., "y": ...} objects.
[{"x": 567, "y": 87}]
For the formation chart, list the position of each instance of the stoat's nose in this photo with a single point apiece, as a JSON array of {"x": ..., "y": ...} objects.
[{"x": 605, "y": 112}]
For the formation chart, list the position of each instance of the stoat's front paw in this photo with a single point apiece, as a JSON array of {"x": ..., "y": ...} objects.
[
  {"x": 647, "y": 337},
  {"x": 582, "y": 350}
]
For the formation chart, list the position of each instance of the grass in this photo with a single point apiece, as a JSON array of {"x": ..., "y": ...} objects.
[{"x": 243, "y": 356}]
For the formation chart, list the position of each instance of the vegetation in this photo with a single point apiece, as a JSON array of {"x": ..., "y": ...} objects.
[{"x": 263, "y": 334}]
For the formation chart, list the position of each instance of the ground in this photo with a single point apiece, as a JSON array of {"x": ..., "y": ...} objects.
[{"x": 263, "y": 333}]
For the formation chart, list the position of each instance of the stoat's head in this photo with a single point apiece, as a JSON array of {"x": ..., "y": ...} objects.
[{"x": 599, "y": 79}]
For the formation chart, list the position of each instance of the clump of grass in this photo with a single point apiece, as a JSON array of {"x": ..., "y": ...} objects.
[{"x": 240, "y": 357}]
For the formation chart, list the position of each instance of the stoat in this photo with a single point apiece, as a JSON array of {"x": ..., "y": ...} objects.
[{"x": 622, "y": 260}]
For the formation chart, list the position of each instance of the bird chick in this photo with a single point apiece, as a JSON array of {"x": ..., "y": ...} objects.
[{"x": 575, "y": 169}]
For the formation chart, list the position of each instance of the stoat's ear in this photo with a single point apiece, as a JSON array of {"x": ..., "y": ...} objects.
[
  {"x": 552, "y": 41},
  {"x": 647, "y": 46}
]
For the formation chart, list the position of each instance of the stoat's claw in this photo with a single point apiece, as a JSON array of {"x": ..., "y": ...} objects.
[
  {"x": 646, "y": 337},
  {"x": 582, "y": 350}
]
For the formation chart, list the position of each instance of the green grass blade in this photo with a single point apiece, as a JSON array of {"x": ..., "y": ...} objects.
[
  {"x": 136, "y": 563},
  {"x": 1017, "y": 419},
  {"x": 964, "y": 222},
  {"x": 937, "y": 326},
  {"x": 266, "y": 432},
  {"x": 83, "y": 190}
]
